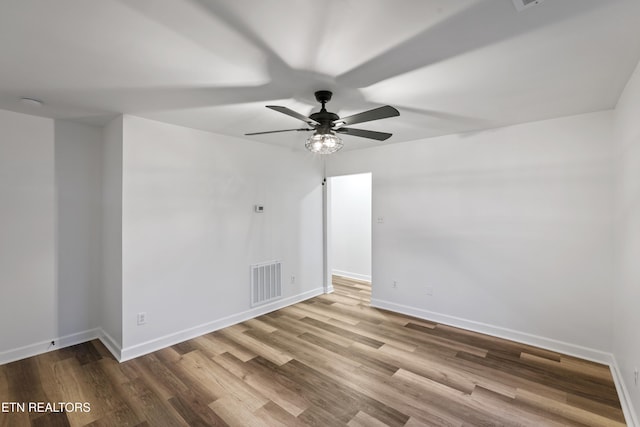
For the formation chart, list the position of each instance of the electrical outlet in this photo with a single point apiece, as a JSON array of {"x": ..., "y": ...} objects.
[
  {"x": 142, "y": 318},
  {"x": 380, "y": 220},
  {"x": 293, "y": 279},
  {"x": 429, "y": 291},
  {"x": 395, "y": 284}
]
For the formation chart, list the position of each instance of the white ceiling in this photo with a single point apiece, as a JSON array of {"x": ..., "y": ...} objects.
[{"x": 449, "y": 66}]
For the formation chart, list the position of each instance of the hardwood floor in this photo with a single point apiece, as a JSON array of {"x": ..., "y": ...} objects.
[{"x": 329, "y": 361}]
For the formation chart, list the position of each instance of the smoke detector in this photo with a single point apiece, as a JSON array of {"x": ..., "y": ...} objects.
[
  {"x": 525, "y": 4},
  {"x": 31, "y": 102}
]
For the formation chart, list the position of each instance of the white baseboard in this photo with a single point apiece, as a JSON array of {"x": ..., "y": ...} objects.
[
  {"x": 500, "y": 332},
  {"x": 111, "y": 344},
  {"x": 147, "y": 347},
  {"x": 630, "y": 415},
  {"x": 46, "y": 346},
  {"x": 123, "y": 354},
  {"x": 357, "y": 276}
]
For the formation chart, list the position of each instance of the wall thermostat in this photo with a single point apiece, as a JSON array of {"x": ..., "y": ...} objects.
[{"x": 259, "y": 208}]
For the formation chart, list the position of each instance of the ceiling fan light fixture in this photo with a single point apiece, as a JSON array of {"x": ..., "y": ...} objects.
[{"x": 324, "y": 143}]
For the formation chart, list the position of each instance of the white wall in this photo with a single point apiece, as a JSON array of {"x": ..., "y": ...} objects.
[
  {"x": 50, "y": 234},
  {"x": 190, "y": 232},
  {"x": 510, "y": 228},
  {"x": 351, "y": 225},
  {"x": 110, "y": 294},
  {"x": 72, "y": 267},
  {"x": 626, "y": 336},
  {"x": 27, "y": 234},
  {"x": 78, "y": 169}
]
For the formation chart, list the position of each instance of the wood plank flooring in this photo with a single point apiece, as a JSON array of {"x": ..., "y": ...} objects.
[{"x": 329, "y": 361}]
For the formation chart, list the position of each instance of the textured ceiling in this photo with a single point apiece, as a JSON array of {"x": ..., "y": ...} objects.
[{"x": 449, "y": 66}]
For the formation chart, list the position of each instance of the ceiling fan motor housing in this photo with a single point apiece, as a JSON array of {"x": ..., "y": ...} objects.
[{"x": 324, "y": 117}]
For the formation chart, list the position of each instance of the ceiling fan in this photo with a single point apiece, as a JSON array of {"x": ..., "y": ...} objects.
[{"x": 326, "y": 124}]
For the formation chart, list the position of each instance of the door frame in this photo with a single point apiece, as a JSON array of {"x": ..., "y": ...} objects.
[{"x": 327, "y": 229}]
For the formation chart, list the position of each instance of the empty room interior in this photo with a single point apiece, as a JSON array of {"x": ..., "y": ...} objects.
[{"x": 340, "y": 212}]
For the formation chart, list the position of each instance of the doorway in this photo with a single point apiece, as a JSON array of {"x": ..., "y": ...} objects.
[{"x": 349, "y": 233}]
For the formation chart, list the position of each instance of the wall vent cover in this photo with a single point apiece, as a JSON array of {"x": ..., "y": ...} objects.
[
  {"x": 266, "y": 282},
  {"x": 525, "y": 4}
]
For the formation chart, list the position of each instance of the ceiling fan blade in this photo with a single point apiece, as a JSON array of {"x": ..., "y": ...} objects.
[
  {"x": 367, "y": 116},
  {"x": 380, "y": 136},
  {"x": 276, "y": 131},
  {"x": 290, "y": 112}
]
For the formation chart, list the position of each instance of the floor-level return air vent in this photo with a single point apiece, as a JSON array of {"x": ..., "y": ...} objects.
[{"x": 266, "y": 282}]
